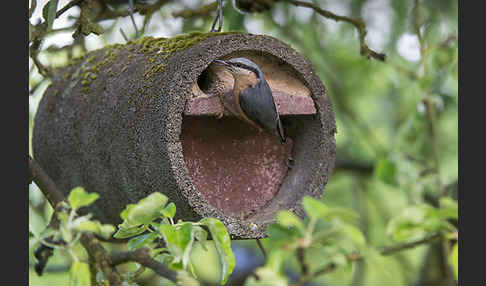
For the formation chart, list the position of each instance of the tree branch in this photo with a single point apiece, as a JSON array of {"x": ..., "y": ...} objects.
[
  {"x": 142, "y": 9},
  {"x": 142, "y": 256},
  {"x": 67, "y": 7},
  {"x": 98, "y": 255},
  {"x": 303, "y": 264},
  {"x": 392, "y": 249},
  {"x": 45, "y": 183},
  {"x": 385, "y": 250},
  {"x": 100, "y": 259},
  {"x": 203, "y": 11},
  {"x": 260, "y": 245},
  {"x": 33, "y": 4},
  {"x": 364, "y": 168},
  {"x": 358, "y": 23}
]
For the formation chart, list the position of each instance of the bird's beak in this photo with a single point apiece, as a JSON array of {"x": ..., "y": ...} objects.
[{"x": 221, "y": 63}]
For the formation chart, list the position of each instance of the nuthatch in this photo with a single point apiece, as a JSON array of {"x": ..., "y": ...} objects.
[{"x": 253, "y": 96}]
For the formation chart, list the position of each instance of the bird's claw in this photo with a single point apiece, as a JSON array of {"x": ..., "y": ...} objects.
[
  {"x": 290, "y": 162},
  {"x": 219, "y": 115}
]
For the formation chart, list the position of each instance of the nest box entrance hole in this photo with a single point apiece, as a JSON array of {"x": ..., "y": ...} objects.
[{"x": 236, "y": 168}]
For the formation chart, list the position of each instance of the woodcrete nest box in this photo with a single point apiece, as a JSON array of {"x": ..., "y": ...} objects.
[{"x": 128, "y": 120}]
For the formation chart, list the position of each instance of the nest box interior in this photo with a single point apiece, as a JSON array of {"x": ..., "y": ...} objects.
[{"x": 238, "y": 169}]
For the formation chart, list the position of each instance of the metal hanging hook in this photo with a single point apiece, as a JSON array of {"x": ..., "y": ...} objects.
[{"x": 218, "y": 18}]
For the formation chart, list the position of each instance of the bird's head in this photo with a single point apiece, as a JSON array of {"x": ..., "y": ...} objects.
[{"x": 240, "y": 67}]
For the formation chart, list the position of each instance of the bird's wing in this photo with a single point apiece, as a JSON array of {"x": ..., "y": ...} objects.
[{"x": 258, "y": 104}]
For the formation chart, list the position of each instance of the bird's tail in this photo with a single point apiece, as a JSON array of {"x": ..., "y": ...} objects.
[{"x": 280, "y": 131}]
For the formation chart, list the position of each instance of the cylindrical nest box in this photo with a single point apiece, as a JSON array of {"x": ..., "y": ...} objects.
[{"x": 128, "y": 120}]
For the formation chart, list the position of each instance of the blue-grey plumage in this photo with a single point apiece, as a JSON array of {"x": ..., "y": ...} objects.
[{"x": 253, "y": 96}]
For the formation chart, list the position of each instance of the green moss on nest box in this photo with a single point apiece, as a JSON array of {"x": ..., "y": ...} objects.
[
  {"x": 168, "y": 46},
  {"x": 161, "y": 49},
  {"x": 158, "y": 50}
]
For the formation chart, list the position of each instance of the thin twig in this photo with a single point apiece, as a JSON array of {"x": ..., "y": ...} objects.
[
  {"x": 307, "y": 278},
  {"x": 34, "y": 53},
  {"x": 303, "y": 264},
  {"x": 386, "y": 250},
  {"x": 392, "y": 249},
  {"x": 130, "y": 5},
  {"x": 260, "y": 245},
  {"x": 67, "y": 7},
  {"x": 123, "y": 35},
  {"x": 358, "y": 23},
  {"x": 430, "y": 108},
  {"x": 343, "y": 164},
  {"x": 33, "y": 4},
  {"x": 142, "y": 9},
  {"x": 416, "y": 25}
]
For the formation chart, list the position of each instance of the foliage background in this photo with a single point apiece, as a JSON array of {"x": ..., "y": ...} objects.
[{"x": 397, "y": 120}]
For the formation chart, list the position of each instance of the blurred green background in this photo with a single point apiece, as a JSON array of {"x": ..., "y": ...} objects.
[{"x": 397, "y": 121}]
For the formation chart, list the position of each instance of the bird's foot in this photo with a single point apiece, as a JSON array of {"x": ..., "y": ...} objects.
[
  {"x": 220, "y": 114},
  {"x": 290, "y": 162}
]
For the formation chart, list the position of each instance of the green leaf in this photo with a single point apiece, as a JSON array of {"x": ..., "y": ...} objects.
[
  {"x": 385, "y": 170},
  {"x": 276, "y": 258},
  {"x": 222, "y": 242},
  {"x": 179, "y": 240},
  {"x": 448, "y": 208},
  {"x": 146, "y": 210},
  {"x": 279, "y": 233},
  {"x": 62, "y": 216},
  {"x": 36, "y": 222},
  {"x": 31, "y": 32},
  {"x": 315, "y": 208},
  {"x": 289, "y": 219},
  {"x": 79, "y": 274},
  {"x": 407, "y": 224},
  {"x": 354, "y": 234},
  {"x": 266, "y": 277},
  {"x": 125, "y": 232},
  {"x": 49, "y": 13},
  {"x": 200, "y": 235},
  {"x": 126, "y": 211},
  {"x": 66, "y": 233},
  {"x": 184, "y": 279},
  {"x": 45, "y": 11},
  {"x": 169, "y": 210},
  {"x": 343, "y": 214},
  {"x": 83, "y": 224},
  {"x": 141, "y": 240},
  {"x": 454, "y": 259},
  {"x": 80, "y": 198},
  {"x": 339, "y": 259},
  {"x": 188, "y": 248}
]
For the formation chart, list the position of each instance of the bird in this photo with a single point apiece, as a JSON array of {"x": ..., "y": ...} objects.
[{"x": 253, "y": 96}]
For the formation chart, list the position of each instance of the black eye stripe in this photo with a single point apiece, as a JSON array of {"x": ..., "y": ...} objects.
[{"x": 246, "y": 67}]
